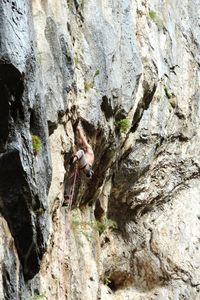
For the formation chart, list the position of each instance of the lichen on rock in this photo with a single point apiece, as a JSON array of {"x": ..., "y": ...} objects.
[{"x": 129, "y": 70}]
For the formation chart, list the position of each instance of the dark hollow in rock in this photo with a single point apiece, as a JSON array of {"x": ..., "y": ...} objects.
[
  {"x": 16, "y": 199},
  {"x": 12, "y": 87}
]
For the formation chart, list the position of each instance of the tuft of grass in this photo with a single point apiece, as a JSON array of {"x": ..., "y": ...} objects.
[
  {"x": 82, "y": 3},
  {"x": 81, "y": 227},
  {"x": 97, "y": 73},
  {"x": 37, "y": 144},
  {"x": 76, "y": 60},
  {"x": 101, "y": 227},
  {"x": 124, "y": 125},
  {"x": 106, "y": 224},
  {"x": 40, "y": 211},
  {"x": 158, "y": 144},
  {"x": 171, "y": 97},
  {"x": 156, "y": 19},
  {"x": 88, "y": 85},
  {"x": 70, "y": 3},
  {"x": 167, "y": 92},
  {"x": 152, "y": 14},
  {"x": 158, "y": 97},
  {"x": 38, "y": 296},
  {"x": 107, "y": 280}
]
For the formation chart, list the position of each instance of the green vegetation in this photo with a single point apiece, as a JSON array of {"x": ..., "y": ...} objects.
[
  {"x": 81, "y": 224},
  {"x": 171, "y": 97},
  {"x": 101, "y": 227},
  {"x": 82, "y": 3},
  {"x": 37, "y": 144},
  {"x": 88, "y": 85},
  {"x": 107, "y": 280},
  {"x": 157, "y": 20},
  {"x": 158, "y": 144},
  {"x": 40, "y": 296},
  {"x": 124, "y": 125},
  {"x": 167, "y": 92},
  {"x": 76, "y": 60},
  {"x": 152, "y": 14},
  {"x": 81, "y": 227},
  {"x": 96, "y": 73},
  {"x": 70, "y": 3},
  {"x": 158, "y": 97},
  {"x": 40, "y": 211}
]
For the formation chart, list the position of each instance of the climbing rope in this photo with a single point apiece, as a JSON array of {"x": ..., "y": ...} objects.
[
  {"x": 73, "y": 189},
  {"x": 68, "y": 210}
]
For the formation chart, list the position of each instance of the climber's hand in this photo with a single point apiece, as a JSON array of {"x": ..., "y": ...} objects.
[
  {"x": 79, "y": 128},
  {"x": 73, "y": 159}
]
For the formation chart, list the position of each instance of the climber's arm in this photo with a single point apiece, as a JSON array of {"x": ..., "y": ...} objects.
[
  {"x": 82, "y": 137},
  {"x": 86, "y": 146}
]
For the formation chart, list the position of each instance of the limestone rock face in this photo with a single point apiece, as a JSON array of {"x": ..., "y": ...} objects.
[
  {"x": 24, "y": 179},
  {"x": 129, "y": 70}
]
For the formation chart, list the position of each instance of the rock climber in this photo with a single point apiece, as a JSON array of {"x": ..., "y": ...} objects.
[{"x": 85, "y": 156}]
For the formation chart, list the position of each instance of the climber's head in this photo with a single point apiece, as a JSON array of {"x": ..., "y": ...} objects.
[
  {"x": 89, "y": 173},
  {"x": 88, "y": 170}
]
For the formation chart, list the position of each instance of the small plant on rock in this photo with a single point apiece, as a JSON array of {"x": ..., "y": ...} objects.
[
  {"x": 158, "y": 97},
  {"x": 107, "y": 280},
  {"x": 82, "y": 3},
  {"x": 76, "y": 60},
  {"x": 38, "y": 296},
  {"x": 97, "y": 73},
  {"x": 37, "y": 144},
  {"x": 171, "y": 97},
  {"x": 106, "y": 224},
  {"x": 70, "y": 3},
  {"x": 167, "y": 92},
  {"x": 157, "y": 20},
  {"x": 88, "y": 85},
  {"x": 40, "y": 211},
  {"x": 124, "y": 125}
]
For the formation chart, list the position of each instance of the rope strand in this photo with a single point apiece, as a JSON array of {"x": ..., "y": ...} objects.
[{"x": 73, "y": 189}]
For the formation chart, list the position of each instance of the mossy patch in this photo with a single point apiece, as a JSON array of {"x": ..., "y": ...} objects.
[
  {"x": 156, "y": 19},
  {"x": 171, "y": 97},
  {"x": 38, "y": 296},
  {"x": 97, "y": 73},
  {"x": 40, "y": 211},
  {"x": 37, "y": 144},
  {"x": 76, "y": 60},
  {"x": 106, "y": 224},
  {"x": 88, "y": 85},
  {"x": 168, "y": 93},
  {"x": 124, "y": 125}
]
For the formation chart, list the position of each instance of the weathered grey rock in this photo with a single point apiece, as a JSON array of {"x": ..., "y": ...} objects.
[
  {"x": 24, "y": 179},
  {"x": 101, "y": 61}
]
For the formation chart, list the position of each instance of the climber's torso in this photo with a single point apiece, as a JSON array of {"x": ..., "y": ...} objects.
[{"x": 89, "y": 154}]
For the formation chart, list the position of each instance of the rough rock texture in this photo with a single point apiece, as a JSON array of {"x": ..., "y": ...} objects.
[
  {"x": 24, "y": 179},
  {"x": 133, "y": 231}
]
